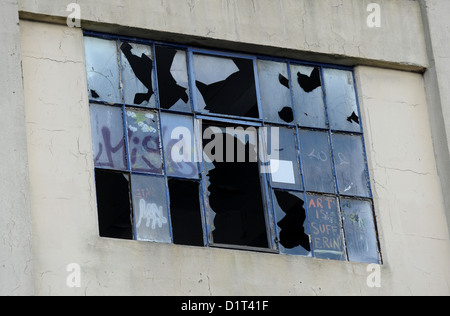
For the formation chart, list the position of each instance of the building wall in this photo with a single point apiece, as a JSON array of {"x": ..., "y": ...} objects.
[
  {"x": 397, "y": 119},
  {"x": 16, "y": 259}
]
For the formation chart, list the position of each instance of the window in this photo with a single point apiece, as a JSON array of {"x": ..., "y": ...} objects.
[{"x": 218, "y": 149}]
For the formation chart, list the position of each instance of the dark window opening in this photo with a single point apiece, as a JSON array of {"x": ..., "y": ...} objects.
[
  {"x": 235, "y": 196},
  {"x": 172, "y": 77},
  {"x": 293, "y": 237},
  {"x": 113, "y": 200},
  {"x": 185, "y": 213},
  {"x": 234, "y": 95}
]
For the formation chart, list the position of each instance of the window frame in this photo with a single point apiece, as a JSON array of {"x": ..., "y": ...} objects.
[{"x": 266, "y": 182}]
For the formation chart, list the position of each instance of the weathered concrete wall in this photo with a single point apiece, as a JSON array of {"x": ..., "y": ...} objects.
[
  {"x": 16, "y": 259},
  {"x": 407, "y": 195},
  {"x": 325, "y": 30},
  {"x": 408, "y": 199},
  {"x": 437, "y": 82}
]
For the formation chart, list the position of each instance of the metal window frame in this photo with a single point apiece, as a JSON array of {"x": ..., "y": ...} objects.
[{"x": 266, "y": 186}]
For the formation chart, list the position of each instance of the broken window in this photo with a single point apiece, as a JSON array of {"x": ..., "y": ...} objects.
[
  {"x": 218, "y": 149},
  {"x": 285, "y": 169},
  {"x": 275, "y": 91},
  {"x": 137, "y": 74},
  {"x": 186, "y": 212},
  {"x": 326, "y": 230},
  {"x": 108, "y": 137},
  {"x": 317, "y": 161},
  {"x": 102, "y": 70},
  {"x": 173, "y": 82},
  {"x": 341, "y": 100},
  {"x": 360, "y": 231},
  {"x": 144, "y": 141},
  {"x": 225, "y": 86},
  {"x": 179, "y": 145},
  {"x": 308, "y": 96},
  {"x": 234, "y": 186},
  {"x": 114, "y": 208},
  {"x": 290, "y": 213},
  {"x": 351, "y": 171},
  {"x": 150, "y": 208}
]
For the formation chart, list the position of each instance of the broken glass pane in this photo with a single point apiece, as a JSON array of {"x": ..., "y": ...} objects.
[
  {"x": 151, "y": 218},
  {"x": 290, "y": 214},
  {"x": 113, "y": 202},
  {"x": 108, "y": 137},
  {"x": 275, "y": 91},
  {"x": 137, "y": 74},
  {"x": 237, "y": 214},
  {"x": 102, "y": 68},
  {"x": 341, "y": 100},
  {"x": 325, "y": 227},
  {"x": 173, "y": 84},
  {"x": 284, "y": 163},
  {"x": 317, "y": 163},
  {"x": 360, "y": 232},
  {"x": 144, "y": 141},
  {"x": 308, "y": 96},
  {"x": 225, "y": 86},
  {"x": 185, "y": 212},
  {"x": 350, "y": 165},
  {"x": 179, "y": 145}
]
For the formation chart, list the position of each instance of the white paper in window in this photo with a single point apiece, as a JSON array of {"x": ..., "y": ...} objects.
[{"x": 282, "y": 171}]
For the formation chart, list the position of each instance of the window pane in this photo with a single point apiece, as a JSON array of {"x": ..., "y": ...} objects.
[
  {"x": 350, "y": 165},
  {"x": 108, "y": 137},
  {"x": 317, "y": 162},
  {"x": 360, "y": 232},
  {"x": 173, "y": 81},
  {"x": 237, "y": 214},
  {"x": 179, "y": 146},
  {"x": 225, "y": 86},
  {"x": 290, "y": 213},
  {"x": 341, "y": 100},
  {"x": 325, "y": 226},
  {"x": 144, "y": 141},
  {"x": 284, "y": 164},
  {"x": 151, "y": 218},
  {"x": 137, "y": 74},
  {"x": 308, "y": 96},
  {"x": 185, "y": 212},
  {"x": 275, "y": 91},
  {"x": 113, "y": 202},
  {"x": 102, "y": 68}
]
